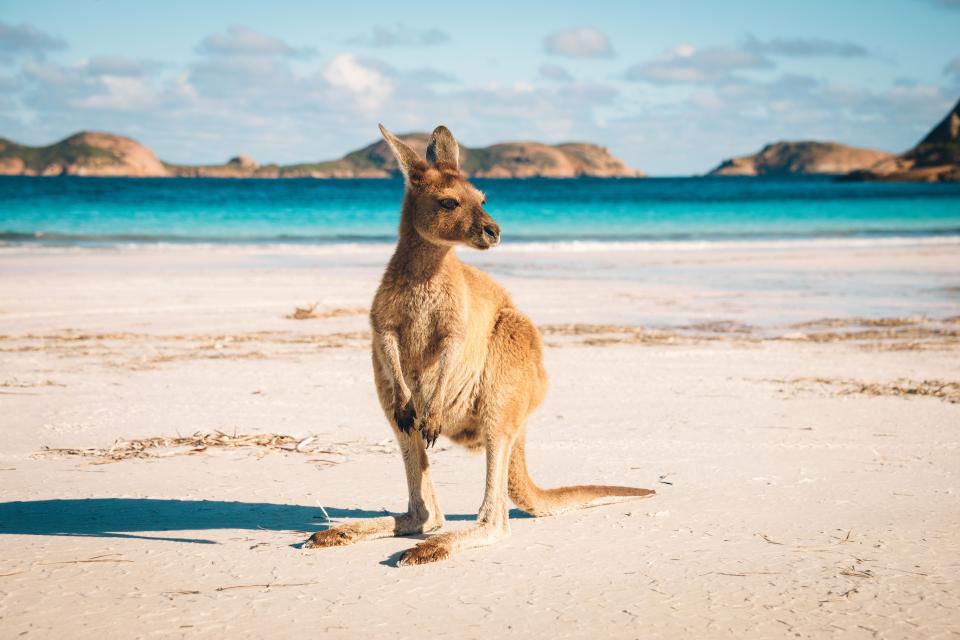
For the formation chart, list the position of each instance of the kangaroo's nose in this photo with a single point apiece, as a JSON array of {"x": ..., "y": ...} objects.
[{"x": 492, "y": 232}]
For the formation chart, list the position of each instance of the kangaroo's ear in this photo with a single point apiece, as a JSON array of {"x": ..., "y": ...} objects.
[
  {"x": 443, "y": 151},
  {"x": 411, "y": 165}
]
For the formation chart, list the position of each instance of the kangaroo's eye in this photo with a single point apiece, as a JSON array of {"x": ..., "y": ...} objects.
[{"x": 449, "y": 204}]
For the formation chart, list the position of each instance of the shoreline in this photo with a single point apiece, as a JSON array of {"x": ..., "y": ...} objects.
[
  {"x": 951, "y": 237},
  {"x": 765, "y": 285}
]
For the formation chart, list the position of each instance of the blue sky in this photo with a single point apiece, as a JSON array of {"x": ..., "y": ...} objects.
[{"x": 672, "y": 88}]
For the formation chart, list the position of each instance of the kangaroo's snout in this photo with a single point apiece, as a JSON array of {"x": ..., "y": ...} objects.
[
  {"x": 491, "y": 233},
  {"x": 488, "y": 235}
]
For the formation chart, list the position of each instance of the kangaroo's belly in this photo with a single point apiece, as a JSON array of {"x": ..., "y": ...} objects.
[
  {"x": 421, "y": 365},
  {"x": 422, "y": 358}
]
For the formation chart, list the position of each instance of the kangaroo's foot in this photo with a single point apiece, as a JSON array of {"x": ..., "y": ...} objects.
[
  {"x": 443, "y": 545},
  {"x": 373, "y": 528},
  {"x": 431, "y": 550}
]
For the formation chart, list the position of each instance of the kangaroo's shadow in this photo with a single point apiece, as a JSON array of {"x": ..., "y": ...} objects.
[{"x": 133, "y": 517}]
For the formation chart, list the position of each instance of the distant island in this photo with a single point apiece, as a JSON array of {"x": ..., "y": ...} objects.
[
  {"x": 805, "y": 157},
  {"x": 936, "y": 158},
  {"x": 105, "y": 154}
]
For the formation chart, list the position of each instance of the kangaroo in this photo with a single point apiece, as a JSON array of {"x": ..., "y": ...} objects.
[{"x": 452, "y": 356}]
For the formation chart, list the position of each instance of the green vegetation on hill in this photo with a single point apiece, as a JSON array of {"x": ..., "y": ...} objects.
[
  {"x": 65, "y": 152},
  {"x": 801, "y": 158},
  {"x": 936, "y": 158},
  {"x": 91, "y": 153}
]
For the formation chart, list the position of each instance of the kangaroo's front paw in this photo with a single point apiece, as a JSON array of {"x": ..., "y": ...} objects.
[
  {"x": 405, "y": 417},
  {"x": 429, "y": 427}
]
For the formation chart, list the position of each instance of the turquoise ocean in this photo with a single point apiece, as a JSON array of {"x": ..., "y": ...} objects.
[{"x": 106, "y": 211}]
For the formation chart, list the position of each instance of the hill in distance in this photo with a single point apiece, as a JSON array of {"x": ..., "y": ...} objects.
[
  {"x": 82, "y": 154},
  {"x": 105, "y": 154},
  {"x": 801, "y": 158},
  {"x": 936, "y": 158}
]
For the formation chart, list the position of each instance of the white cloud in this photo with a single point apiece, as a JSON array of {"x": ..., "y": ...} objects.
[
  {"x": 119, "y": 93},
  {"x": 90, "y": 84},
  {"x": 424, "y": 76},
  {"x": 555, "y": 72},
  {"x": 578, "y": 42},
  {"x": 364, "y": 82},
  {"x": 240, "y": 76},
  {"x": 685, "y": 64},
  {"x": 401, "y": 36},
  {"x": 806, "y": 47},
  {"x": 25, "y": 39},
  {"x": 240, "y": 40},
  {"x": 112, "y": 66}
]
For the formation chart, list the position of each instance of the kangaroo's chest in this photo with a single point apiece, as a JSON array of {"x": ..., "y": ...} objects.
[{"x": 424, "y": 317}]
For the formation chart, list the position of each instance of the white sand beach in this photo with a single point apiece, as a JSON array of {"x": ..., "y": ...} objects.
[{"x": 796, "y": 410}]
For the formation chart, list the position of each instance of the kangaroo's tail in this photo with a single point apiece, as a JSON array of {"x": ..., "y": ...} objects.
[{"x": 547, "y": 502}]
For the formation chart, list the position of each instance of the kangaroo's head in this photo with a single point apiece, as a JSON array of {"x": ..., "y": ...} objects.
[{"x": 442, "y": 206}]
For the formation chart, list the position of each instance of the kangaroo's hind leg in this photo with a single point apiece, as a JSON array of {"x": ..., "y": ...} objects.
[
  {"x": 423, "y": 513},
  {"x": 493, "y": 522},
  {"x": 512, "y": 385}
]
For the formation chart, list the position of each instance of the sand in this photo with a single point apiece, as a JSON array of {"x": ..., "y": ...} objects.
[{"x": 796, "y": 409}]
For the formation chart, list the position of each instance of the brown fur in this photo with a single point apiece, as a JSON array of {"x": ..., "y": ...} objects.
[{"x": 452, "y": 356}]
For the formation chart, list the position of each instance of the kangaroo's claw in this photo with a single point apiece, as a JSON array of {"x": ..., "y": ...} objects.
[
  {"x": 429, "y": 428},
  {"x": 405, "y": 417}
]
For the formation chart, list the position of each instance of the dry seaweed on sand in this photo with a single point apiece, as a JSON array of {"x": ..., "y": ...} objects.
[
  {"x": 853, "y": 572},
  {"x": 721, "y": 326},
  {"x": 198, "y": 442},
  {"x": 164, "y": 447},
  {"x": 942, "y": 389},
  {"x": 266, "y": 585},
  {"x": 24, "y": 384},
  {"x": 949, "y": 391},
  {"x": 302, "y": 313},
  {"x": 596, "y": 335},
  {"x": 139, "y": 351},
  {"x": 309, "y": 312},
  {"x": 106, "y": 557},
  {"x": 860, "y": 322}
]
